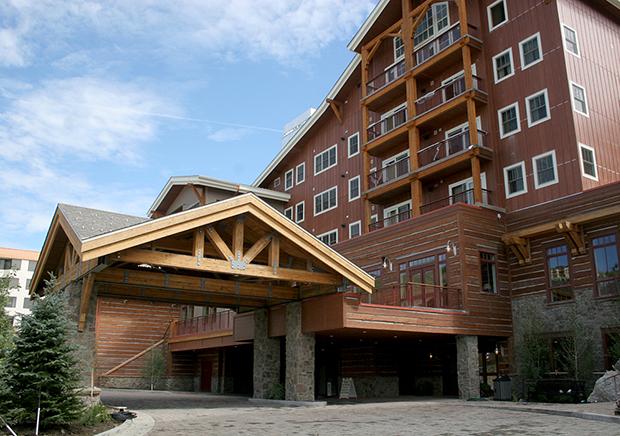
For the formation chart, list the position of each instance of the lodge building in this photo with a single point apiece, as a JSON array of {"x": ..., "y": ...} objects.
[{"x": 463, "y": 179}]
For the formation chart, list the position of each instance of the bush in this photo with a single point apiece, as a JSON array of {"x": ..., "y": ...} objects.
[
  {"x": 96, "y": 414},
  {"x": 276, "y": 392}
]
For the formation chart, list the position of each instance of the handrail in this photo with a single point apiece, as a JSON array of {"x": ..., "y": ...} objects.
[
  {"x": 396, "y": 120},
  {"x": 389, "y": 75},
  {"x": 432, "y": 93},
  {"x": 389, "y": 172},
  {"x": 438, "y": 143},
  {"x": 467, "y": 195},
  {"x": 425, "y": 43},
  {"x": 436, "y": 45},
  {"x": 201, "y": 324},
  {"x": 416, "y": 295},
  {"x": 394, "y": 219}
]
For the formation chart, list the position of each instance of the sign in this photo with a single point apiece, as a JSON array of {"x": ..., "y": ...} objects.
[{"x": 347, "y": 389}]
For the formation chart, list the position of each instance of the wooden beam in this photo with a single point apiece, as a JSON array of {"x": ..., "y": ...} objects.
[
  {"x": 336, "y": 106},
  {"x": 417, "y": 19},
  {"x": 138, "y": 256},
  {"x": 274, "y": 254},
  {"x": 87, "y": 288},
  {"x": 132, "y": 358},
  {"x": 218, "y": 243},
  {"x": 257, "y": 248},
  {"x": 237, "y": 237},
  {"x": 200, "y": 193},
  {"x": 476, "y": 178},
  {"x": 199, "y": 243},
  {"x": 573, "y": 234},
  {"x": 520, "y": 247}
]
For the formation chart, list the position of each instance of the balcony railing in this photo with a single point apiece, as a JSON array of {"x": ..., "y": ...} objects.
[
  {"x": 389, "y": 173},
  {"x": 387, "y": 124},
  {"x": 466, "y": 197},
  {"x": 437, "y": 45},
  {"x": 443, "y": 94},
  {"x": 394, "y": 219},
  {"x": 416, "y": 295},
  {"x": 214, "y": 322},
  {"x": 385, "y": 78},
  {"x": 448, "y": 147}
]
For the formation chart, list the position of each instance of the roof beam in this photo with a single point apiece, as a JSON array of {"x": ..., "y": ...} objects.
[
  {"x": 336, "y": 107},
  {"x": 257, "y": 248},
  {"x": 218, "y": 243}
]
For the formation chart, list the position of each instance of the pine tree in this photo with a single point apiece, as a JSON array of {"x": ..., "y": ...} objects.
[
  {"x": 6, "y": 329},
  {"x": 42, "y": 366}
]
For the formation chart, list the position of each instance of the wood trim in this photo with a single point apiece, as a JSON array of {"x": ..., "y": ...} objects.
[
  {"x": 87, "y": 288},
  {"x": 200, "y": 337},
  {"x": 336, "y": 106},
  {"x": 132, "y": 358}
]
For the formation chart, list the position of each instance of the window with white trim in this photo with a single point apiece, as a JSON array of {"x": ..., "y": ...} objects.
[
  {"x": 374, "y": 218},
  {"x": 326, "y": 200},
  {"x": 514, "y": 180},
  {"x": 288, "y": 212},
  {"x": 537, "y": 106},
  {"x": 503, "y": 65},
  {"x": 399, "y": 48},
  {"x": 329, "y": 238},
  {"x": 355, "y": 229},
  {"x": 300, "y": 173},
  {"x": 326, "y": 159},
  {"x": 435, "y": 21},
  {"x": 354, "y": 144},
  {"x": 276, "y": 182},
  {"x": 571, "y": 42},
  {"x": 545, "y": 169},
  {"x": 497, "y": 14},
  {"x": 288, "y": 179},
  {"x": 587, "y": 157},
  {"x": 579, "y": 99},
  {"x": 508, "y": 118},
  {"x": 300, "y": 211},
  {"x": 530, "y": 50},
  {"x": 354, "y": 188}
]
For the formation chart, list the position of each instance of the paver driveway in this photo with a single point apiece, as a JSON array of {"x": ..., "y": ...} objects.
[{"x": 204, "y": 414}]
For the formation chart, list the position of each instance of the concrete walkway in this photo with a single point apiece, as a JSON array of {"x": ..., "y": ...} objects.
[{"x": 194, "y": 413}]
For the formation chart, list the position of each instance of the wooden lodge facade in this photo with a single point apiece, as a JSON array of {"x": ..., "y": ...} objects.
[{"x": 468, "y": 160}]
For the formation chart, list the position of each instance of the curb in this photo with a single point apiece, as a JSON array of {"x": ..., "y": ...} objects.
[
  {"x": 139, "y": 426},
  {"x": 286, "y": 403},
  {"x": 571, "y": 414}
]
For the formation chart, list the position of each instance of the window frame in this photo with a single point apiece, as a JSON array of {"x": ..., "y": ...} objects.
[
  {"x": 512, "y": 65},
  {"x": 585, "y": 96},
  {"x": 359, "y": 224},
  {"x": 494, "y": 263},
  {"x": 276, "y": 182},
  {"x": 581, "y": 145},
  {"x": 326, "y": 234},
  {"x": 564, "y": 27},
  {"x": 436, "y": 32},
  {"x": 489, "y": 18},
  {"x": 335, "y": 146},
  {"x": 297, "y": 181},
  {"x": 290, "y": 172},
  {"x": 506, "y": 184},
  {"x": 355, "y": 135},
  {"x": 394, "y": 48},
  {"x": 548, "y": 286},
  {"x": 502, "y": 134},
  {"x": 359, "y": 188},
  {"x": 303, "y": 207},
  {"x": 321, "y": 193},
  {"x": 288, "y": 209},
  {"x": 538, "y": 185},
  {"x": 596, "y": 235},
  {"x": 531, "y": 123},
  {"x": 522, "y": 54}
]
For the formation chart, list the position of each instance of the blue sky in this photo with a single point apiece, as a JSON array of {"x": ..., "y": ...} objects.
[{"x": 102, "y": 101}]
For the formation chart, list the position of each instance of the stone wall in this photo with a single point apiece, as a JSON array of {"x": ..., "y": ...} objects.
[
  {"x": 266, "y": 371},
  {"x": 376, "y": 386},
  {"x": 300, "y": 352},
  {"x": 165, "y": 383},
  {"x": 467, "y": 366}
]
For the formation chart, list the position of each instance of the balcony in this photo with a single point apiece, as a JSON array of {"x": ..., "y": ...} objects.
[
  {"x": 464, "y": 197},
  {"x": 436, "y": 45},
  {"x": 390, "y": 221},
  {"x": 199, "y": 326},
  {"x": 379, "y": 90},
  {"x": 388, "y": 131},
  {"x": 448, "y": 147},
  {"x": 389, "y": 173},
  {"x": 416, "y": 295}
]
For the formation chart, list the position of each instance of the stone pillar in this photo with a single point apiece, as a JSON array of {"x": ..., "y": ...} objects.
[
  {"x": 299, "y": 357},
  {"x": 467, "y": 367},
  {"x": 266, "y": 356}
]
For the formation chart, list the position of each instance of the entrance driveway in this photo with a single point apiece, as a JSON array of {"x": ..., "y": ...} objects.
[{"x": 178, "y": 413}]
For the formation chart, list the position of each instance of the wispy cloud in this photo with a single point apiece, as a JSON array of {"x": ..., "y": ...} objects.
[{"x": 228, "y": 134}]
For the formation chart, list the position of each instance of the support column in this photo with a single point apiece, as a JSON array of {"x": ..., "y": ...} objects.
[
  {"x": 266, "y": 371},
  {"x": 299, "y": 357},
  {"x": 467, "y": 367},
  {"x": 85, "y": 339}
]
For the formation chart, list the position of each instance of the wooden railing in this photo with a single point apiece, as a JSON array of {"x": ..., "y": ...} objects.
[
  {"x": 383, "y": 79},
  {"x": 465, "y": 197},
  {"x": 214, "y": 322},
  {"x": 389, "y": 173},
  {"x": 436, "y": 45},
  {"x": 414, "y": 294},
  {"x": 449, "y": 146},
  {"x": 444, "y": 94},
  {"x": 387, "y": 124},
  {"x": 394, "y": 219}
]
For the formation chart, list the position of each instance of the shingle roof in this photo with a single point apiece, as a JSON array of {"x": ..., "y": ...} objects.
[{"x": 88, "y": 223}]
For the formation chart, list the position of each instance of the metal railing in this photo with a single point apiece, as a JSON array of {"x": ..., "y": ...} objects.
[
  {"x": 387, "y": 124},
  {"x": 444, "y": 94},
  {"x": 394, "y": 219},
  {"x": 436, "y": 45},
  {"x": 448, "y": 147},
  {"x": 214, "y": 322},
  {"x": 383, "y": 79},
  {"x": 414, "y": 294},
  {"x": 465, "y": 197},
  {"x": 389, "y": 173}
]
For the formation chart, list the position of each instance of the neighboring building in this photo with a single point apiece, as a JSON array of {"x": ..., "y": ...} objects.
[{"x": 19, "y": 266}]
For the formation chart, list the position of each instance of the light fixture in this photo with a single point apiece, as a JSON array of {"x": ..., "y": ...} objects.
[
  {"x": 496, "y": 350},
  {"x": 451, "y": 248},
  {"x": 387, "y": 263},
  {"x": 430, "y": 355}
]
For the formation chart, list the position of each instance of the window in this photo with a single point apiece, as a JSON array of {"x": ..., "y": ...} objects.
[
  {"x": 325, "y": 160},
  {"x": 32, "y": 264},
  {"x": 497, "y": 14},
  {"x": 288, "y": 180},
  {"x": 611, "y": 347},
  {"x": 545, "y": 169},
  {"x": 605, "y": 250},
  {"x": 13, "y": 283},
  {"x": 558, "y": 274},
  {"x": 587, "y": 157},
  {"x": 514, "y": 179},
  {"x": 354, "y": 188},
  {"x": 488, "y": 273},
  {"x": 329, "y": 238},
  {"x": 537, "y": 106},
  {"x": 423, "y": 282},
  {"x": 435, "y": 21},
  {"x": 397, "y": 213},
  {"x": 325, "y": 200},
  {"x": 399, "y": 48},
  {"x": 531, "y": 51},
  {"x": 28, "y": 281},
  {"x": 276, "y": 182},
  {"x": 503, "y": 65},
  {"x": 580, "y": 101},
  {"x": 300, "y": 209},
  {"x": 509, "y": 120},
  {"x": 12, "y": 302},
  {"x": 374, "y": 218},
  {"x": 300, "y": 173},
  {"x": 571, "y": 43},
  {"x": 463, "y": 191},
  {"x": 354, "y": 144},
  {"x": 355, "y": 229},
  {"x": 288, "y": 212},
  {"x": 9, "y": 264},
  {"x": 27, "y": 303}
]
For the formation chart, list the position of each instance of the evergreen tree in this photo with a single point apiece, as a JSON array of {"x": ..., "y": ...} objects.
[
  {"x": 42, "y": 366},
  {"x": 6, "y": 329}
]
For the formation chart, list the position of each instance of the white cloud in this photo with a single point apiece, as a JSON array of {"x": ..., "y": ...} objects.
[
  {"x": 13, "y": 52},
  {"x": 228, "y": 134}
]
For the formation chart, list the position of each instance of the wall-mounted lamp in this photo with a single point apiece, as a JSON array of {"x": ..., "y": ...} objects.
[
  {"x": 386, "y": 263},
  {"x": 451, "y": 248}
]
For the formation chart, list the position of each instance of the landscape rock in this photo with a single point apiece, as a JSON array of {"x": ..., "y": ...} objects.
[{"x": 606, "y": 388}]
